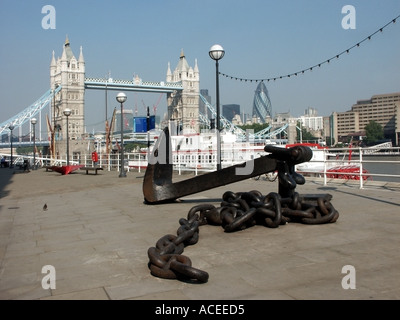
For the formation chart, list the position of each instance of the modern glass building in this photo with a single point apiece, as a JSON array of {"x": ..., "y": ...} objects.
[
  {"x": 262, "y": 104},
  {"x": 230, "y": 110}
]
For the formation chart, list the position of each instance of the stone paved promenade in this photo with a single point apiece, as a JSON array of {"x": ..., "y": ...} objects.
[{"x": 96, "y": 232}]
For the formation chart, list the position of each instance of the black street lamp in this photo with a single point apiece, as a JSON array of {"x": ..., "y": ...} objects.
[
  {"x": 217, "y": 53},
  {"x": 148, "y": 129},
  {"x": 11, "y": 127},
  {"x": 121, "y": 98},
  {"x": 33, "y": 121},
  {"x": 67, "y": 113}
]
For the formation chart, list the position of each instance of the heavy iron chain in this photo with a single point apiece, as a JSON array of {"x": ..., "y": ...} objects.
[{"x": 238, "y": 211}]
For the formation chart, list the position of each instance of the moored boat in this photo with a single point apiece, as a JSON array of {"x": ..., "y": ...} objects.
[
  {"x": 325, "y": 161},
  {"x": 67, "y": 169}
]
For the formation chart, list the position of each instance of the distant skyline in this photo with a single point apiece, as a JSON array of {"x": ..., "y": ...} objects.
[{"x": 262, "y": 39}]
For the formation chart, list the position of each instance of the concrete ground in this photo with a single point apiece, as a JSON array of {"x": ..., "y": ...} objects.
[{"x": 96, "y": 232}]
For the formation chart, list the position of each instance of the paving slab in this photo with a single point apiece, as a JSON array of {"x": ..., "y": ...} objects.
[{"x": 97, "y": 229}]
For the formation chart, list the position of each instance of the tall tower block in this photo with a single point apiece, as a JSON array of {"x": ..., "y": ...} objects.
[
  {"x": 183, "y": 107},
  {"x": 262, "y": 107},
  {"x": 68, "y": 72}
]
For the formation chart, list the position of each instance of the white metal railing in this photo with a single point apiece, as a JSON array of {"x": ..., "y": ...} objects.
[
  {"x": 205, "y": 161},
  {"x": 37, "y": 161},
  {"x": 351, "y": 164},
  {"x": 362, "y": 159}
]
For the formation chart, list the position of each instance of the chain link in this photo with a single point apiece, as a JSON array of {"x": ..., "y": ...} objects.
[{"x": 238, "y": 211}]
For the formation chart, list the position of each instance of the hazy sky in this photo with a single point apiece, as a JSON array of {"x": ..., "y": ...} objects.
[{"x": 262, "y": 39}]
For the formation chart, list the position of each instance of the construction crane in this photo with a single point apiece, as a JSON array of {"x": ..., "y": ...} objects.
[
  {"x": 154, "y": 106},
  {"x": 109, "y": 132},
  {"x": 157, "y": 103},
  {"x": 144, "y": 106},
  {"x": 51, "y": 137},
  {"x": 136, "y": 109}
]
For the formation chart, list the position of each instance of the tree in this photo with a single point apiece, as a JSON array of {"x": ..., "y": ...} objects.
[
  {"x": 374, "y": 132},
  {"x": 134, "y": 147},
  {"x": 254, "y": 126},
  {"x": 330, "y": 141},
  {"x": 27, "y": 150},
  {"x": 305, "y": 135}
]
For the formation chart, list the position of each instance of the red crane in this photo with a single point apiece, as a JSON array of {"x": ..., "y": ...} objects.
[{"x": 157, "y": 103}]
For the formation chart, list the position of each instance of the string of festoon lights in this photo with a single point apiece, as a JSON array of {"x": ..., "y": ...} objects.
[{"x": 295, "y": 74}]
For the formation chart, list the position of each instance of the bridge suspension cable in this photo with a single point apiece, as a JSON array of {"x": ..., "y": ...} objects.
[
  {"x": 25, "y": 115},
  {"x": 226, "y": 124}
]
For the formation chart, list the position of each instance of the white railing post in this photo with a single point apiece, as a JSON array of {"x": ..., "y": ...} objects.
[
  {"x": 179, "y": 163},
  {"x": 325, "y": 178},
  {"x": 361, "y": 168},
  {"x": 127, "y": 162},
  {"x": 196, "y": 163}
]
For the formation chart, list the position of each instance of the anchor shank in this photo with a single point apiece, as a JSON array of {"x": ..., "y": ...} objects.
[
  {"x": 158, "y": 185},
  {"x": 161, "y": 188}
]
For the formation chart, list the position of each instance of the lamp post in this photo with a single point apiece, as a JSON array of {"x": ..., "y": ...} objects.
[
  {"x": 11, "y": 127},
  {"x": 121, "y": 98},
  {"x": 148, "y": 129},
  {"x": 217, "y": 53},
  {"x": 33, "y": 122},
  {"x": 67, "y": 113}
]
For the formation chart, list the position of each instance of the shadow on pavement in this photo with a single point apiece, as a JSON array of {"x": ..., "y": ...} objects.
[{"x": 6, "y": 175}]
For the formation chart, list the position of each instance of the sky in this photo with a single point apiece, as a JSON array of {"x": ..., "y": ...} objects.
[{"x": 262, "y": 39}]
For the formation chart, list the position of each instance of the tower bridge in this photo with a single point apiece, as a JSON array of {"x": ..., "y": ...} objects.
[
  {"x": 132, "y": 85},
  {"x": 67, "y": 90}
]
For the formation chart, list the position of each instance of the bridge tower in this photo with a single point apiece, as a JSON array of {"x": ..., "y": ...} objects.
[
  {"x": 183, "y": 106},
  {"x": 68, "y": 72}
]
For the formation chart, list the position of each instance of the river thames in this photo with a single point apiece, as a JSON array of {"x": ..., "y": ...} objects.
[{"x": 385, "y": 165}]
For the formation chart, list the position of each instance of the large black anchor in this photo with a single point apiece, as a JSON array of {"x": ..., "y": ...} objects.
[
  {"x": 237, "y": 211},
  {"x": 158, "y": 186}
]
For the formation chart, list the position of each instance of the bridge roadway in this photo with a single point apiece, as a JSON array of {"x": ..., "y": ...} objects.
[{"x": 97, "y": 230}]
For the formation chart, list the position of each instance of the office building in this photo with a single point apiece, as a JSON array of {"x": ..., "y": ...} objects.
[
  {"x": 262, "y": 107},
  {"x": 383, "y": 109},
  {"x": 230, "y": 110}
]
